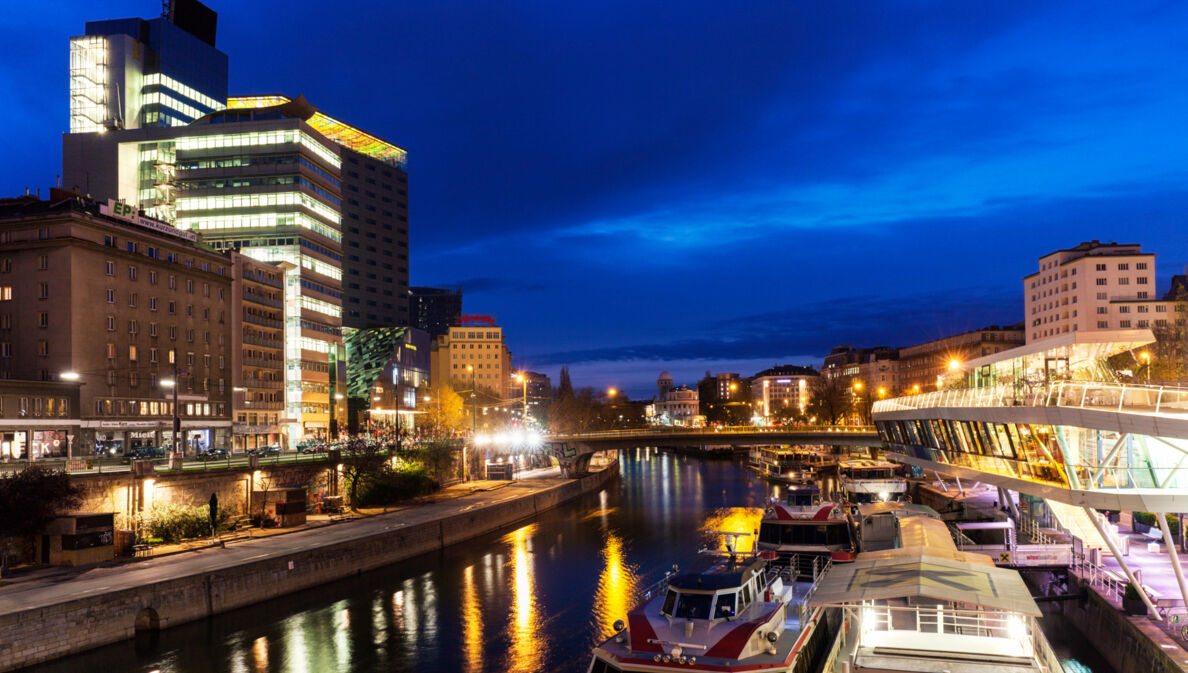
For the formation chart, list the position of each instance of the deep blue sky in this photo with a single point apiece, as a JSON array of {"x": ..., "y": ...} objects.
[{"x": 694, "y": 185}]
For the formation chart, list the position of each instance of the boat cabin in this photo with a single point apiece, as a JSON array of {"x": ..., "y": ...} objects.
[
  {"x": 866, "y": 480},
  {"x": 926, "y": 606},
  {"x": 806, "y": 537},
  {"x": 878, "y": 523}
]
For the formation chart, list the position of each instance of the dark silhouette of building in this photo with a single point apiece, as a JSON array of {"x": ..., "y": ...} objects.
[{"x": 434, "y": 309}]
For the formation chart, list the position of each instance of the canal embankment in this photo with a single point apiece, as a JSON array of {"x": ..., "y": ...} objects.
[{"x": 44, "y": 621}]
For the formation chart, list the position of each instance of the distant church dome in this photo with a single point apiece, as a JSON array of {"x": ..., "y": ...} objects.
[{"x": 664, "y": 376}]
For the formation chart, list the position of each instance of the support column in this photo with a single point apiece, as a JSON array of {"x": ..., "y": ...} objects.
[
  {"x": 959, "y": 488},
  {"x": 1118, "y": 557},
  {"x": 1171, "y": 552},
  {"x": 942, "y": 481},
  {"x": 1010, "y": 501}
]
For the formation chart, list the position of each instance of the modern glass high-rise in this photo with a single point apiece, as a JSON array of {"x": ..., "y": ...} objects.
[{"x": 139, "y": 73}]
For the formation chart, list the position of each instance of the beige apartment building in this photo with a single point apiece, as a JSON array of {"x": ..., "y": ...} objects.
[
  {"x": 778, "y": 389},
  {"x": 95, "y": 293},
  {"x": 1093, "y": 286},
  {"x": 258, "y": 361},
  {"x": 480, "y": 348}
]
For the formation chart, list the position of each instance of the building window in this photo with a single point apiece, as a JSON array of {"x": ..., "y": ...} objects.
[
  {"x": 132, "y": 353},
  {"x": 43, "y": 262},
  {"x": 152, "y": 329},
  {"x": 1124, "y": 281},
  {"x": 132, "y": 300},
  {"x": 111, "y": 323},
  {"x": 1101, "y": 281},
  {"x": 172, "y": 282},
  {"x": 43, "y": 290},
  {"x": 1101, "y": 267},
  {"x": 1103, "y": 324},
  {"x": 111, "y": 351},
  {"x": 132, "y": 327},
  {"x": 1101, "y": 296},
  {"x": 43, "y": 319},
  {"x": 111, "y": 296},
  {"x": 1141, "y": 266},
  {"x": 1102, "y": 310},
  {"x": 5, "y": 350},
  {"x": 1141, "y": 280},
  {"x": 152, "y": 277},
  {"x": 152, "y": 303},
  {"x": 1123, "y": 266},
  {"x": 131, "y": 273},
  {"x": 1124, "y": 324}
]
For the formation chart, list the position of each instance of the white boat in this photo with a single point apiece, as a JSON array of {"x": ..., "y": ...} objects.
[
  {"x": 736, "y": 612},
  {"x": 877, "y": 523},
  {"x": 788, "y": 464},
  {"x": 866, "y": 480},
  {"x": 807, "y": 537},
  {"x": 927, "y": 607}
]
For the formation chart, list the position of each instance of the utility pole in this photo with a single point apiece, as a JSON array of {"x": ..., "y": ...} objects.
[{"x": 473, "y": 424}]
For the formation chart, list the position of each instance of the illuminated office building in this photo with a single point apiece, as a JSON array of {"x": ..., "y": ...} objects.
[{"x": 138, "y": 73}]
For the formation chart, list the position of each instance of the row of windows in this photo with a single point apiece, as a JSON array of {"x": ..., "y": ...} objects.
[{"x": 114, "y": 407}]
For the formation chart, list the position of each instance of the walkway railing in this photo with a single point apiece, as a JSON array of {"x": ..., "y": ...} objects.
[
  {"x": 728, "y": 430},
  {"x": 1093, "y": 395}
]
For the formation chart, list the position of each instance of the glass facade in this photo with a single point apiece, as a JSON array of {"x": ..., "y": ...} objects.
[{"x": 1066, "y": 456}]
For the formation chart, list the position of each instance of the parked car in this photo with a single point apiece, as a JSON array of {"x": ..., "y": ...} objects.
[
  {"x": 144, "y": 453},
  {"x": 213, "y": 454},
  {"x": 265, "y": 451}
]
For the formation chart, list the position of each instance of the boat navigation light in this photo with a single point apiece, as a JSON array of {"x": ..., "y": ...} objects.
[
  {"x": 1016, "y": 629},
  {"x": 676, "y": 651},
  {"x": 772, "y": 636},
  {"x": 618, "y": 625},
  {"x": 883, "y": 495}
]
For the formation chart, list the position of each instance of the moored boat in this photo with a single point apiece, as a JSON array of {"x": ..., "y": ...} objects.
[
  {"x": 807, "y": 537},
  {"x": 866, "y": 480},
  {"x": 736, "y": 611}
]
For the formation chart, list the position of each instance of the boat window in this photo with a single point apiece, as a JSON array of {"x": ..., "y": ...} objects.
[
  {"x": 669, "y": 602},
  {"x": 725, "y": 606},
  {"x": 746, "y": 595},
  {"x": 769, "y": 532},
  {"x": 693, "y": 606},
  {"x": 828, "y": 534}
]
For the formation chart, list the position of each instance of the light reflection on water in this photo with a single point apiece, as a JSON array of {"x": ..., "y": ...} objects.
[{"x": 533, "y": 598}]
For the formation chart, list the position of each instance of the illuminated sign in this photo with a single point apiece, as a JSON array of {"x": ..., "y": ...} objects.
[
  {"x": 477, "y": 319},
  {"x": 131, "y": 215}
]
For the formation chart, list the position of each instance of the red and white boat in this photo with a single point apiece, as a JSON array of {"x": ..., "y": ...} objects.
[
  {"x": 736, "y": 613},
  {"x": 808, "y": 537}
]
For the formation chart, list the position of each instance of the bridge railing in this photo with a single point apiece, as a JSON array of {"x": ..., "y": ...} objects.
[
  {"x": 1092, "y": 395},
  {"x": 726, "y": 430}
]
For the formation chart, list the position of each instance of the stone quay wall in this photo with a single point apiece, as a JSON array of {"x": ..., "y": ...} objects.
[{"x": 44, "y": 633}]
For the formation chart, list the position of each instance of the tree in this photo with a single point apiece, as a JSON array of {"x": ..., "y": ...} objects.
[
  {"x": 829, "y": 399},
  {"x": 446, "y": 415},
  {"x": 29, "y": 501},
  {"x": 361, "y": 460}
]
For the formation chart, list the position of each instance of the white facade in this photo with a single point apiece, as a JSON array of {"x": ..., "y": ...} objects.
[
  {"x": 1093, "y": 287},
  {"x": 675, "y": 405}
]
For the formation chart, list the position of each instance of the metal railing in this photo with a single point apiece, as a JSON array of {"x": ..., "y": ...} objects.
[
  {"x": 268, "y": 342},
  {"x": 261, "y": 320},
  {"x": 1092, "y": 395},
  {"x": 734, "y": 429},
  {"x": 942, "y": 621}
]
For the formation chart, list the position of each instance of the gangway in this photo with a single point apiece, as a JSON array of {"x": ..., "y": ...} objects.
[
  {"x": 1012, "y": 554},
  {"x": 1076, "y": 521}
]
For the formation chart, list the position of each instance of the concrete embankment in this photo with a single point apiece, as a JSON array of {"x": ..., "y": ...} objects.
[
  {"x": 42, "y": 625},
  {"x": 1128, "y": 644}
]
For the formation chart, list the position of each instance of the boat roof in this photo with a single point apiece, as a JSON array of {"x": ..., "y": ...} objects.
[
  {"x": 913, "y": 575},
  {"x": 724, "y": 574},
  {"x": 867, "y": 462},
  {"x": 906, "y": 508}
]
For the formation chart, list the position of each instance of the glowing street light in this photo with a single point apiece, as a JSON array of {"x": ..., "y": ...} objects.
[
  {"x": 69, "y": 376},
  {"x": 954, "y": 364},
  {"x": 612, "y": 392},
  {"x": 1146, "y": 358}
]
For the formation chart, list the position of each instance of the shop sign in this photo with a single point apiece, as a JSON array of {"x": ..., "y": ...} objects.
[
  {"x": 129, "y": 424},
  {"x": 245, "y": 429},
  {"x": 142, "y": 435}
]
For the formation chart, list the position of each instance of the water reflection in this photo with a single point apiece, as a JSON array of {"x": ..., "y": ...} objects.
[
  {"x": 472, "y": 622},
  {"x": 260, "y": 654},
  {"x": 733, "y": 520},
  {"x": 616, "y": 587},
  {"x": 524, "y": 628}
]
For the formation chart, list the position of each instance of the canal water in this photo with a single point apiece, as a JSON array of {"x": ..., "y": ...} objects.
[{"x": 534, "y": 597}]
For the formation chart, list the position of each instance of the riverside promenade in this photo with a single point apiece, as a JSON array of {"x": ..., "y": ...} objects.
[{"x": 50, "y": 617}]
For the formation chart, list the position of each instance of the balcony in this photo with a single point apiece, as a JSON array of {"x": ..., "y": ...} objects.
[
  {"x": 256, "y": 298},
  {"x": 266, "y": 342},
  {"x": 258, "y": 362},
  {"x": 260, "y": 383},
  {"x": 262, "y": 321},
  {"x": 251, "y": 405}
]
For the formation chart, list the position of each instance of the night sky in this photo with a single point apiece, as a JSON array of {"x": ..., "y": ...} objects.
[{"x": 630, "y": 187}]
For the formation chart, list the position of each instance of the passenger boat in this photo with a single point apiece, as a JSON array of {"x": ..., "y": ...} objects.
[
  {"x": 736, "y": 612},
  {"x": 866, "y": 480},
  {"x": 788, "y": 464},
  {"x": 925, "y": 606},
  {"x": 807, "y": 537}
]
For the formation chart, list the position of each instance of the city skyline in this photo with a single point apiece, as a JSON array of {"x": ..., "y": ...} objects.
[{"x": 705, "y": 198}]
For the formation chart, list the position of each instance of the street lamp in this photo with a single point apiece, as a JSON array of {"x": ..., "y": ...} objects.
[
  {"x": 474, "y": 421},
  {"x": 519, "y": 376},
  {"x": 954, "y": 364},
  {"x": 1146, "y": 358},
  {"x": 69, "y": 376}
]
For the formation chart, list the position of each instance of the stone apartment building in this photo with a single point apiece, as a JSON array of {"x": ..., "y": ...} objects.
[{"x": 122, "y": 304}]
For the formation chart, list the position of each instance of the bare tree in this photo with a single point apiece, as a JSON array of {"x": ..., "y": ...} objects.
[
  {"x": 361, "y": 460},
  {"x": 829, "y": 399}
]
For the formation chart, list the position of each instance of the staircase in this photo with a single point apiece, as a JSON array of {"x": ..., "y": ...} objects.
[{"x": 1076, "y": 521}]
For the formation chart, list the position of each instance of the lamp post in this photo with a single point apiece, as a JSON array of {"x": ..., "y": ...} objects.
[
  {"x": 1146, "y": 358},
  {"x": 175, "y": 384},
  {"x": 523, "y": 379},
  {"x": 473, "y": 421}
]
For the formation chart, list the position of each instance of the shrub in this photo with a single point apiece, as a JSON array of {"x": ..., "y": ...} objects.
[
  {"x": 1145, "y": 518},
  {"x": 394, "y": 484},
  {"x": 171, "y": 522}
]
